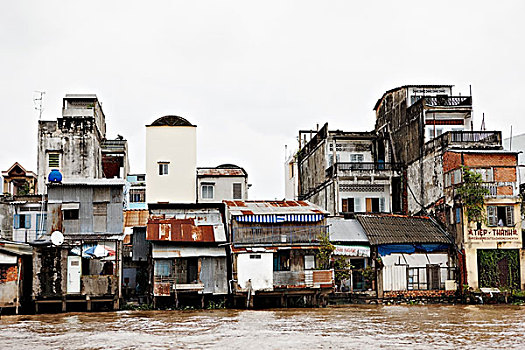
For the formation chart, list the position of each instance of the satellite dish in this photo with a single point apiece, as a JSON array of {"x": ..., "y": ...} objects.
[{"x": 57, "y": 238}]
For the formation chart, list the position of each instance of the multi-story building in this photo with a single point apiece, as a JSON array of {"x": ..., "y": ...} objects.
[
  {"x": 76, "y": 145},
  {"x": 171, "y": 160},
  {"x": 429, "y": 131},
  {"x": 136, "y": 191},
  {"x": 87, "y": 266},
  {"x": 224, "y": 182},
  {"x": 347, "y": 172}
]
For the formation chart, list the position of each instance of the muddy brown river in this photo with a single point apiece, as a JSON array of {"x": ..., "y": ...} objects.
[{"x": 349, "y": 327}]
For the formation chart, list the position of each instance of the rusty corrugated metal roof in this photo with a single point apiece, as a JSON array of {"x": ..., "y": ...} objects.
[
  {"x": 220, "y": 172},
  {"x": 135, "y": 218},
  {"x": 255, "y": 207}
]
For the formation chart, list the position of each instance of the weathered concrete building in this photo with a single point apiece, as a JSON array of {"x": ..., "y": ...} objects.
[
  {"x": 224, "y": 182},
  {"x": 87, "y": 267},
  {"x": 188, "y": 245},
  {"x": 347, "y": 172},
  {"x": 76, "y": 144},
  {"x": 274, "y": 251}
]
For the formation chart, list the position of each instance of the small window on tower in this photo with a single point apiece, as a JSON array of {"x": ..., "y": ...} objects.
[{"x": 163, "y": 168}]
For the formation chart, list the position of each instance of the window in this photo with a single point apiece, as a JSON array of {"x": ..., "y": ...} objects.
[
  {"x": 255, "y": 256},
  {"x": 291, "y": 170},
  {"x": 331, "y": 159},
  {"x": 163, "y": 168},
  {"x": 356, "y": 158},
  {"x": 99, "y": 209},
  {"x": 281, "y": 260},
  {"x": 456, "y": 176},
  {"x": 53, "y": 160},
  {"x": 22, "y": 221},
  {"x": 163, "y": 268},
  {"x": 375, "y": 205},
  {"x": 41, "y": 222},
  {"x": 70, "y": 214},
  {"x": 348, "y": 205},
  {"x": 207, "y": 191},
  {"x": 237, "y": 191},
  {"x": 137, "y": 195},
  {"x": 500, "y": 215},
  {"x": 487, "y": 175}
]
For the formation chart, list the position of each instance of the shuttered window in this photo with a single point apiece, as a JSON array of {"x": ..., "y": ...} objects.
[
  {"x": 492, "y": 216},
  {"x": 22, "y": 221},
  {"x": 237, "y": 191},
  {"x": 510, "y": 216},
  {"x": 54, "y": 160}
]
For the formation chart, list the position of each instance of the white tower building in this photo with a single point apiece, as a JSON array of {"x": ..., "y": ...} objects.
[{"x": 171, "y": 160}]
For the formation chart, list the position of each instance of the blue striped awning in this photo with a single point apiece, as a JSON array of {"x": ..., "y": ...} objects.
[{"x": 280, "y": 218}]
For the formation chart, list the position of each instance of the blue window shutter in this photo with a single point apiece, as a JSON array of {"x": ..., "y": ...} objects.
[
  {"x": 28, "y": 221},
  {"x": 16, "y": 221}
]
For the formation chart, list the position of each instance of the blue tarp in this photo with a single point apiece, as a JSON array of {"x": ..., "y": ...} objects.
[{"x": 386, "y": 249}]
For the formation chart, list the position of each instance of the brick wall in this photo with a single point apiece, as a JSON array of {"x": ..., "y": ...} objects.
[
  {"x": 505, "y": 174},
  {"x": 8, "y": 273},
  {"x": 487, "y": 160},
  {"x": 451, "y": 161}
]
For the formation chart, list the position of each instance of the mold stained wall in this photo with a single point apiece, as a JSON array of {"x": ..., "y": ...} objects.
[{"x": 78, "y": 146}]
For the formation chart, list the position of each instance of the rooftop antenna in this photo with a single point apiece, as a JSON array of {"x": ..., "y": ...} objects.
[
  {"x": 38, "y": 101},
  {"x": 510, "y": 141},
  {"x": 483, "y": 128}
]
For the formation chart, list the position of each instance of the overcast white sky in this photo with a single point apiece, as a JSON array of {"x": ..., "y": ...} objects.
[{"x": 251, "y": 74}]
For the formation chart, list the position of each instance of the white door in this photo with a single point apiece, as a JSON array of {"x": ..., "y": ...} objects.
[{"x": 74, "y": 270}]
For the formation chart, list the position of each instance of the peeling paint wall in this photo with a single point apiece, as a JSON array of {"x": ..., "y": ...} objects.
[{"x": 49, "y": 272}]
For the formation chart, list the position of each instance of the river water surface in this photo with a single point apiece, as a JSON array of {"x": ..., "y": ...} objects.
[{"x": 350, "y": 327}]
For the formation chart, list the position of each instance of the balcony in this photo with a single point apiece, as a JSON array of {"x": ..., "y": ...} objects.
[
  {"x": 278, "y": 235},
  {"x": 466, "y": 139},
  {"x": 303, "y": 279},
  {"x": 363, "y": 169},
  {"x": 446, "y": 101}
]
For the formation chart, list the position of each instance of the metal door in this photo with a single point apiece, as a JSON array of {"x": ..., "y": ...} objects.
[{"x": 74, "y": 270}]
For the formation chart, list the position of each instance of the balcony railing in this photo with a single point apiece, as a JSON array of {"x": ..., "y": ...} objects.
[
  {"x": 276, "y": 235},
  {"x": 350, "y": 168},
  {"x": 490, "y": 139},
  {"x": 448, "y": 101},
  {"x": 307, "y": 278}
]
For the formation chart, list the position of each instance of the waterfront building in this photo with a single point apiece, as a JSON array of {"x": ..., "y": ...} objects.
[
  {"x": 84, "y": 268},
  {"x": 188, "y": 253},
  {"x": 353, "y": 247},
  {"x": 275, "y": 253},
  {"x": 410, "y": 254},
  {"x": 15, "y": 276}
]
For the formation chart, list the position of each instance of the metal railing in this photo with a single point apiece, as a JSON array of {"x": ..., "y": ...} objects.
[
  {"x": 449, "y": 101},
  {"x": 467, "y": 138},
  {"x": 373, "y": 167},
  {"x": 277, "y": 234}
]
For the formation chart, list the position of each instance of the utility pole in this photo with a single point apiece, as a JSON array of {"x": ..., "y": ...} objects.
[{"x": 39, "y": 102}]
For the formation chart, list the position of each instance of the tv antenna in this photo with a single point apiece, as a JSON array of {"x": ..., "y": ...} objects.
[{"x": 39, "y": 101}]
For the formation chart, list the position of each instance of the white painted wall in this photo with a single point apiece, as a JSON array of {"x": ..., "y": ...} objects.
[
  {"x": 395, "y": 267},
  {"x": 178, "y": 146},
  {"x": 259, "y": 271},
  {"x": 223, "y": 187}
]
